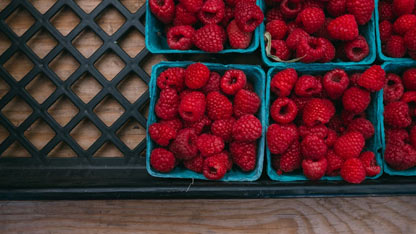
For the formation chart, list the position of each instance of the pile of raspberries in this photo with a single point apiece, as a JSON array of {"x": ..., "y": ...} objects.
[
  {"x": 400, "y": 108},
  {"x": 206, "y": 121},
  {"x": 207, "y": 24},
  {"x": 318, "y": 30},
  {"x": 320, "y": 124},
  {"x": 397, "y": 25}
]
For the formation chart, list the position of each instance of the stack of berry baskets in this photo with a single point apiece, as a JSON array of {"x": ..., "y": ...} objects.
[
  {"x": 315, "y": 32},
  {"x": 396, "y": 30},
  {"x": 197, "y": 26},
  {"x": 399, "y": 137},
  {"x": 328, "y": 112},
  {"x": 241, "y": 158}
]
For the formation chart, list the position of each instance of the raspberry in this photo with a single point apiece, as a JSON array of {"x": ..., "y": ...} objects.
[
  {"x": 396, "y": 136},
  {"x": 353, "y": 171},
  {"x": 209, "y": 144},
  {"x": 410, "y": 99},
  {"x": 228, "y": 16},
  {"x": 318, "y": 111},
  {"x": 356, "y": 100},
  {"x": 396, "y": 114},
  {"x": 180, "y": 37},
  {"x": 335, "y": 83},
  {"x": 213, "y": 83},
  {"x": 313, "y": 147},
  {"x": 386, "y": 30},
  {"x": 162, "y": 160},
  {"x": 196, "y": 75},
  {"x": 167, "y": 104},
  {"x": 164, "y": 10},
  {"x": 370, "y": 164},
  {"x": 280, "y": 49},
  {"x": 409, "y": 79},
  {"x": 183, "y": 16},
  {"x": 402, "y": 7},
  {"x": 393, "y": 89},
  {"x": 192, "y": 5},
  {"x": 410, "y": 39},
  {"x": 329, "y": 51},
  {"x": 244, "y": 155},
  {"x": 331, "y": 138},
  {"x": 300, "y": 103},
  {"x": 171, "y": 78},
  {"x": 310, "y": 49},
  {"x": 314, "y": 170},
  {"x": 248, "y": 16},
  {"x": 291, "y": 159},
  {"x": 195, "y": 164},
  {"x": 290, "y": 9},
  {"x": 192, "y": 106},
  {"x": 295, "y": 37},
  {"x": 218, "y": 106},
  {"x": 395, "y": 47},
  {"x": 223, "y": 128},
  {"x": 347, "y": 117},
  {"x": 245, "y": 102},
  {"x": 320, "y": 131},
  {"x": 357, "y": 49},
  {"x": 225, "y": 157},
  {"x": 400, "y": 157},
  {"x": 199, "y": 126},
  {"x": 214, "y": 168},
  {"x": 161, "y": 133},
  {"x": 277, "y": 29},
  {"x": 283, "y": 82},
  {"x": 247, "y": 128},
  {"x": 232, "y": 81},
  {"x": 283, "y": 110},
  {"x": 404, "y": 23},
  {"x": 412, "y": 136},
  {"x": 343, "y": 28},
  {"x": 238, "y": 39},
  {"x": 280, "y": 137},
  {"x": 354, "y": 79},
  {"x": 361, "y": 9},
  {"x": 336, "y": 124},
  {"x": 307, "y": 86},
  {"x": 373, "y": 79},
  {"x": 184, "y": 145},
  {"x": 385, "y": 10},
  {"x": 274, "y": 14},
  {"x": 212, "y": 12},
  {"x": 349, "y": 145},
  {"x": 363, "y": 126},
  {"x": 176, "y": 124},
  {"x": 311, "y": 19},
  {"x": 313, "y": 3},
  {"x": 334, "y": 163},
  {"x": 210, "y": 38},
  {"x": 336, "y": 7}
]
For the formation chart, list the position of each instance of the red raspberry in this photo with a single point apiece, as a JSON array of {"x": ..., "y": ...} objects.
[
  {"x": 409, "y": 79},
  {"x": 400, "y": 157},
  {"x": 313, "y": 3},
  {"x": 185, "y": 92},
  {"x": 167, "y": 104},
  {"x": 214, "y": 168},
  {"x": 410, "y": 39},
  {"x": 180, "y": 37},
  {"x": 363, "y": 126},
  {"x": 404, "y": 23},
  {"x": 280, "y": 137},
  {"x": 331, "y": 138},
  {"x": 196, "y": 75},
  {"x": 209, "y": 144},
  {"x": 385, "y": 10},
  {"x": 238, "y": 39},
  {"x": 318, "y": 111},
  {"x": 225, "y": 156},
  {"x": 213, "y": 83},
  {"x": 183, "y": 16},
  {"x": 218, "y": 106},
  {"x": 223, "y": 128},
  {"x": 247, "y": 128},
  {"x": 320, "y": 131},
  {"x": 195, "y": 164},
  {"x": 337, "y": 124},
  {"x": 291, "y": 26},
  {"x": 161, "y": 133},
  {"x": 290, "y": 9},
  {"x": 228, "y": 16},
  {"x": 410, "y": 99},
  {"x": 386, "y": 30},
  {"x": 176, "y": 124},
  {"x": 280, "y": 49},
  {"x": 171, "y": 78},
  {"x": 283, "y": 82},
  {"x": 307, "y": 86},
  {"x": 310, "y": 49},
  {"x": 283, "y": 110},
  {"x": 335, "y": 83},
  {"x": 291, "y": 159},
  {"x": 232, "y": 81},
  {"x": 343, "y": 28},
  {"x": 277, "y": 29},
  {"x": 396, "y": 114},
  {"x": 347, "y": 117},
  {"x": 300, "y": 103},
  {"x": 412, "y": 136},
  {"x": 393, "y": 89},
  {"x": 314, "y": 170},
  {"x": 361, "y": 9},
  {"x": 245, "y": 102},
  {"x": 323, "y": 31},
  {"x": 210, "y": 38},
  {"x": 334, "y": 163},
  {"x": 402, "y": 7},
  {"x": 353, "y": 171},
  {"x": 192, "y": 106},
  {"x": 164, "y": 10},
  {"x": 274, "y": 14},
  {"x": 199, "y": 126},
  {"x": 349, "y": 145},
  {"x": 336, "y": 7},
  {"x": 373, "y": 79},
  {"x": 395, "y": 47},
  {"x": 212, "y": 12},
  {"x": 184, "y": 145},
  {"x": 162, "y": 160},
  {"x": 396, "y": 136},
  {"x": 356, "y": 100},
  {"x": 357, "y": 49},
  {"x": 313, "y": 147},
  {"x": 311, "y": 19},
  {"x": 192, "y": 5},
  {"x": 354, "y": 79},
  {"x": 370, "y": 164},
  {"x": 329, "y": 51},
  {"x": 248, "y": 16},
  {"x": 244, "y": 154},
  {"x": 295, "y": 37}
]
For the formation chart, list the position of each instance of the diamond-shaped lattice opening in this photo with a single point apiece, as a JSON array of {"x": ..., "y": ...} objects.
[
  {"x": 131, "y": 133},
  {"x": 15, "y": 150},
  {"x": 108, "y": 150},
  {"x": 3, "y": 134},
  {"x": 133, "y": 5},
  {"x": 40, "y": 88},
  {"x": 4, "y": 88},
  {"x": 64, "y": 65},
  {"x": 88, "y": 5},
  {"x": 42, "y": 43},
  {"x": 132, "y": 42},
  {"x": 62, "y": 150},
  {"x": 65, "y": 20},
  {"x": 109, "y": 110},
  {"x": 151, "y": 60},
  {"x": 86, "y": 87},
  {"x": 20, "y": 21},
  {"x": 42, "y": 5},
  {"x": 132, "y": 87},
  {"x": 85, "y": 134},
  {"x": 63, "y": 110},
  {"x": 4, "y": 43},
  {"x": 39, "y": 133},
  {"x": 4, "y": 4},
  {"x": 109, "y": 65},
  {"x": 18, "y": 65},
  {"x": 110, "y": 20},
  {"x": 87, "y": 42},
  {"x": 17, "y": 111}
]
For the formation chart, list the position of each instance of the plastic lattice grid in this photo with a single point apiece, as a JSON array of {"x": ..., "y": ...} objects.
[{"x": 39, "y": 84}]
